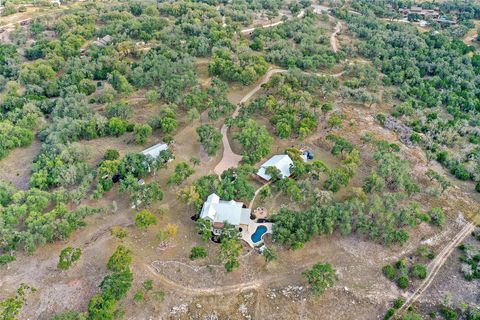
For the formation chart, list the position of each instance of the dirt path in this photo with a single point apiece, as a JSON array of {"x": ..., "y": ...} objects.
[
  {"x": 229, "y": 158},
  {"x": 227, "y": 289},
  {"x": 220, "y": 290},
  {"x": 333, "y": 37},
  {"x": 250, "y": 30},
  {"x": 435, "y": 266},
  {"x": 256, "y": 194}
]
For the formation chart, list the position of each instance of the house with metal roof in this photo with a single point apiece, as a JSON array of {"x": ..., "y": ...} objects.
[
  {"x": 154, "y": 151},
  {"x": 282, "y": 162},
  {"x": 219, "y": 212},
  {"x": 153, "y": 154},
  {"x": 102, "y": 42}
]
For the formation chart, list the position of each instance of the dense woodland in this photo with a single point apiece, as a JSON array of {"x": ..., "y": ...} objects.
[{"x": 435, "y": 78}]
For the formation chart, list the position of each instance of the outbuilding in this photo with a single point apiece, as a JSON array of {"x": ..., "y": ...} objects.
[{"x": 282, "y": 162}]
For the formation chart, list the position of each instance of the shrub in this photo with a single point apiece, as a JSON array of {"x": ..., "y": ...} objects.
[
  {"x": 147, "y": 285},
  {"x": 426, "y": 252},
  {"x": 6, "y": 258},
  {"x": 437, "y": 216},
  {"x": 198, "y": 253},
  {"x": 442, "y": 157},
  {"x": 460, "y": 172},
  {"x": 67, "y": 257},
  {"x": 418, "y": 271},
  {"x": 139, "y": 296},
  {"x": 398, "y": 303},
  {"x": 144, "y": 219},
  {"x": 116, "y": 285},
  {"x": 159, "y": 295},
  {"x": 320, "y": 277},
  {"x": 401, "y": 264},
  {"x": 111, "y": 154},
  {"x": 141, "y": 132},
  {"x": 120, "y": 259},
  {"x": 182, "y": 171},
  {"x": 269, "y": 254},
  {"x": 119, "y": 232},
  {"x": 210, "y": 138},
  {"x": 403, "y": 282},
  {"x": 389, "y": 314},
  {"x": 117, "y": 126},
  {"x": 449, "y": 313},
  {"x": 389, "y": 272},
  {"x": 415, "y": 138}
]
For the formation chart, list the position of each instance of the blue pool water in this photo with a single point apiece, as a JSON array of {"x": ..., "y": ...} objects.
[{"x": 257, "y": 236}]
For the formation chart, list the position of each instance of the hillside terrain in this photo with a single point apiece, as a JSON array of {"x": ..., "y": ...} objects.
[{"x": 239, "y": 160}]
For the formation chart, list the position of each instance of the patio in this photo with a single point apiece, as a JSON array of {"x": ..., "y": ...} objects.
[{"x": 252, "y": 227}]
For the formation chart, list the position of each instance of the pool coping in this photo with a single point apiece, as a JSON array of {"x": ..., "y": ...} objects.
[{"x": 252, "y": 227}]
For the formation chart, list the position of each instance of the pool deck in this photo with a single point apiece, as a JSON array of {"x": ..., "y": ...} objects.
[{"x": 252, "y": 227}]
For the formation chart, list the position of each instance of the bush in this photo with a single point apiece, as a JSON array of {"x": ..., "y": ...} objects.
[
  {"x": 398, "y": 303},
  {"x": 67, "y": 257},
  {"x": 269, "y": 254},
  {"x": 144, "y": 219},
  {"x": 403, "y": 282},
  {"x": 117, "y": 126},
  {"x": 389, "y": 272},
  {"x": 320, "y": 277},
  {"x": 120, "y": 259},
  {"x": 415, "y": 138},
  {"x": 210, "y": 138},
  {"x": 418, "y": 271},
  {"x": 449, "y": 313},
  {"x": 437, "y": 216},
  {"x": 389, "y": 314},
  {"x": 6, "y": 258},
  {"x": 141, "y": 132},
  {"x": 119, "y": 232},
  {"x": 182, "y": 171},
  {"x": 401, "y": 264},
  {"x": 147, "y": 285},
  {"x": 460, "y": 172},
  {"x": 116, "y": 285},
  {"x": 442, "y": 157},
  {"x": 111, "y": 154},
  {"x": 198, "y": 253},
  {"x": 159, "y": 295},
  {"x": 477, "y": 187},
  {"x": 139, "y": 296}
]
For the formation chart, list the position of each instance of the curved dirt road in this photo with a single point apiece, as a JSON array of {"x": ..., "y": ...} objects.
[
  {"x": 250, "y": 30},
  {"x": 231, "y": 159},
  {"x": 227, "y": 289},
  {"x": 333, "y": 36}
]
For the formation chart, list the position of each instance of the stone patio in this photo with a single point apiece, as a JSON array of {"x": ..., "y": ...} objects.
[{"x": 252, "y": 227}]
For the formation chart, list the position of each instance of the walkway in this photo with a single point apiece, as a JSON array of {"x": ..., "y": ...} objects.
[{"x": 252, "y": 227}]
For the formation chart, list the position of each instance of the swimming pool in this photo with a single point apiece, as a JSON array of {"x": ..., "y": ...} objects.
[{"x": 257, "y": 236}]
